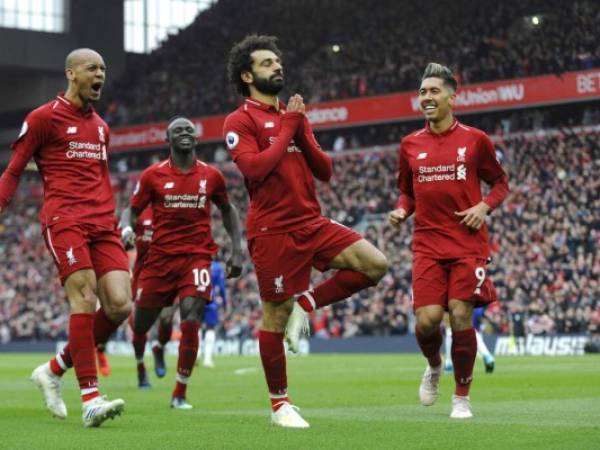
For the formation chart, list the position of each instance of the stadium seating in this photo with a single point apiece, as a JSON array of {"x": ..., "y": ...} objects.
[{"x": 495, "y": 40}]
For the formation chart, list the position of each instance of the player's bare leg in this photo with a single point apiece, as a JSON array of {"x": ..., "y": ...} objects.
[
  {"x": 464, "y": 352},
  {"x": 143, "y": 319},
  {"x": 429, "y": 338},
  {"x": 272, "y": 355},
  {"x": 191, "y": 310},
  {"x": 165, "y": 329},
  {"x": 360, "y": 266}
]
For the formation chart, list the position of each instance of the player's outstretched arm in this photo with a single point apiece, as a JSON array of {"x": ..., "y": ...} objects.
[
  {"x": 10, "y": 178},
  {"x": 231, "y": 221}
]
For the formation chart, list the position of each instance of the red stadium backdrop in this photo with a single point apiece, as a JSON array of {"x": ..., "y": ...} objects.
[{"x": 497, "y": 95}]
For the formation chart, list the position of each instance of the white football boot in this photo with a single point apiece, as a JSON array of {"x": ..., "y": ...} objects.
[
  {"x": 287, "y": 416},
  {"x": 181, "y": 404},
  {"x": 99, "y": 409},
  {"x": 51, "y": 387},
  {"x": 429, "y": 390},
  {"x": 296, "y": 325},
  {"x": 461, "y": 408}
]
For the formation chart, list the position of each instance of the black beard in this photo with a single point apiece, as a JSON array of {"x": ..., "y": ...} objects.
[{"x": 268, "y": 87}]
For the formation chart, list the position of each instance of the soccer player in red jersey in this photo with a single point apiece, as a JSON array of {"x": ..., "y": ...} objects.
[
  {"x": 69, "y": 142},
  {"x": 180, "y": 190},
  {"x": 275, "y": 149},
  {"x": 441, "y": 169}
]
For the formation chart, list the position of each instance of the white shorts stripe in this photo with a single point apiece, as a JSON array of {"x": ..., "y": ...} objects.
[{"x": 51, "y": 245}]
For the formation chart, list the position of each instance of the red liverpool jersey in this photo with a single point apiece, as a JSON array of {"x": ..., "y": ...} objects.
[
  {"x": 69, "y": 146},
  {"x": 440, "y": 174},
  {"x": 286, "y": 198},
  {"x": 181, "y": 206}
]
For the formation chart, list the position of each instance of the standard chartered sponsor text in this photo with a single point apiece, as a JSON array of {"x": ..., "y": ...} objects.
[
  {"x": 184, "y": 201},
  {"x": 84, "y": 150},
  {"x": 440, "y": 172}
]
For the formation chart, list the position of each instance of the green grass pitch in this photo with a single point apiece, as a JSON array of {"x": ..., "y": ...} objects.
[{"x": 351, "y": 402}]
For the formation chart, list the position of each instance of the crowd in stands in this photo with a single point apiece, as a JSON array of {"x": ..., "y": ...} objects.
[
  {"x": 383, "y": 46},
  {"x": 545, "y": 241}
]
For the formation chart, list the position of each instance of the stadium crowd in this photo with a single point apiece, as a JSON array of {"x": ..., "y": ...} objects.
[
  {"x": 379, "y": 47},
  {"x": 545, "y": 239}
]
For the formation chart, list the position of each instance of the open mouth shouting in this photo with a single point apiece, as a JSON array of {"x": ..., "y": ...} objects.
[{"x": 96, "y": 88}]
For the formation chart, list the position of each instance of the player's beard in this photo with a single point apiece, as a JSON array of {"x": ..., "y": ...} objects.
[{"x": 268, "y": 86}]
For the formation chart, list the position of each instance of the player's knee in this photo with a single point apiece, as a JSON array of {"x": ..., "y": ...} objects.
[
  {"x": 119, "y": 306},
  {"x": 379, "y": 267},
  {"x": 428, "y": 323},
  {"x": 461, "y": 317}
]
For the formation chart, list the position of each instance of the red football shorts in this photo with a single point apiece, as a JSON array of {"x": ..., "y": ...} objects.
[
  {"x": 164, "y": 278},
  {"x": 81, "y": 246},
  {"x": 436, "y": 281},
  {"x": 283, "y": 261}
]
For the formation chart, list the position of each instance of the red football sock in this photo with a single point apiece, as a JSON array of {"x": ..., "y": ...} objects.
[
  {"x": 464, "y": 352},
  {"x": 272, "y": 355},
  {"x": 341, "y": 285},
  {"x": 430, "y": 346},
  {"x": 139, "y": 345},
  {"x": 103, "y": 327},
  {"x": 164, "y": 332},
  {"x": 188, "y": 350},
  {"x": 83, "y": 352},
  {"x": 61, "y": 362}
]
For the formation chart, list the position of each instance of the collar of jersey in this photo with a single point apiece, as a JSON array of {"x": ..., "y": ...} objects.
[
  {"x": 445, "y": 133},
  {"x": 173, "y": 167},
  {"x": 253, "y": 103},
  {"x": 76, "y": 109}
]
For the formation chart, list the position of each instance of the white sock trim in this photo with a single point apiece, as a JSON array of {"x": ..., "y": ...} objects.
[
  {"x": 277, "y": 396},
  {"x": 87, "y": 391},
  {"x": 181, "y": 379}
]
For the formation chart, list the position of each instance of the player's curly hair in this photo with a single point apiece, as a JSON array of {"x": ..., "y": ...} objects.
[
  {"x": 435, "y": 70},
  {"x": 241, "y": 61}
]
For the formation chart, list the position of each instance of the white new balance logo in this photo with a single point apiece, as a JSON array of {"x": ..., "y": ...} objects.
[
  {"x": 269, "y": 125},
  {"x": 422, "y": 155},
  {"x": 169, "y": 185},
  {"x": 71, "y": 130}
]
